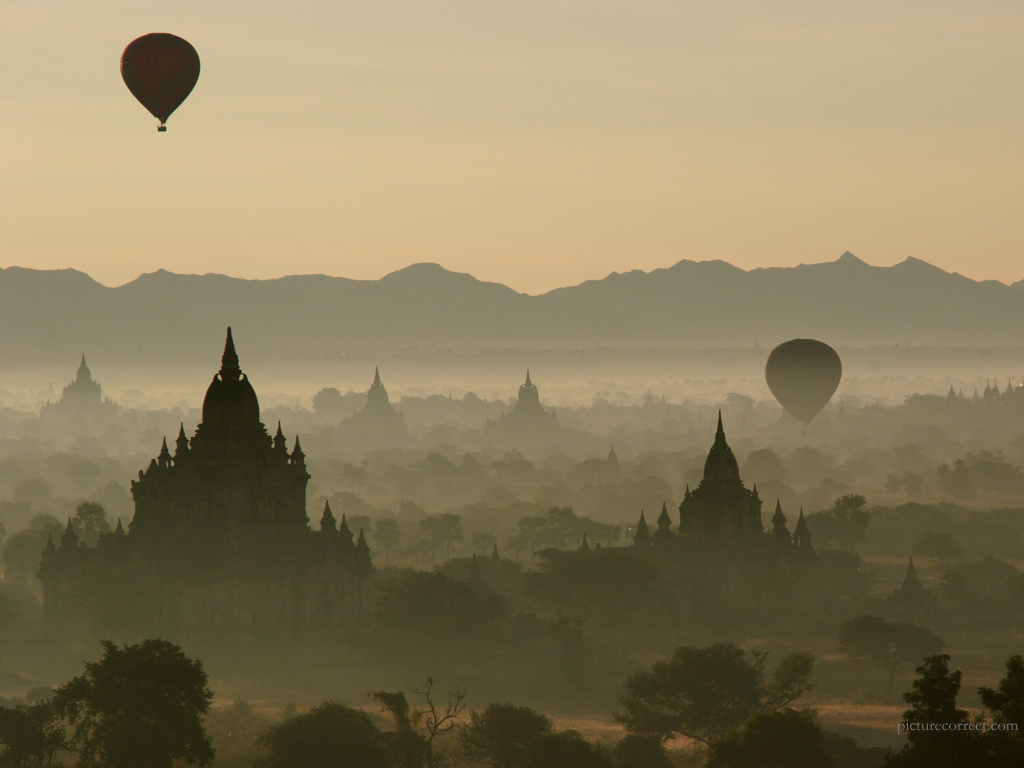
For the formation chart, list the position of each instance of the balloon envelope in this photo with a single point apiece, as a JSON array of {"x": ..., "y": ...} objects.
[
  {"x": 803, "y": 375},
  {"x": 160, "y": 70}
]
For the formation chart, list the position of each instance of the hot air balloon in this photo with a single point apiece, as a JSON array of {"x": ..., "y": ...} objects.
[
  {"x": 160, "y": 70},
  {"x": 803, "y": 375}
]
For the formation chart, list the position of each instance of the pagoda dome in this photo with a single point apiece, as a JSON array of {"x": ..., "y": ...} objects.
[
  {"x": 377, "y": 396},
  {"x": 529, "y": 396},
  {"x": 721, "y": 464},
  {"x": 230, "y": 400}
]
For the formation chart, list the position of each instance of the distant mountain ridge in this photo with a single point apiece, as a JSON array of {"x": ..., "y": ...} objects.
[{"x": 688, "y": 305}]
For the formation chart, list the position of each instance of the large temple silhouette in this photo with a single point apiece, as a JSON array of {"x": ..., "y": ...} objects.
[
  {"x": 81, "y": 400},
  {"x": 378, "y": 422},
  {"x": 720, "y": 558},
  {"x": 723, "y": 512},
  {"x": 219, "y": 540},
  {"x": 528, "y": 420}
]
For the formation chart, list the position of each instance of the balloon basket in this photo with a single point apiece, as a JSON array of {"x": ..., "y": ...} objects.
[{"x": 161, "y": 129}]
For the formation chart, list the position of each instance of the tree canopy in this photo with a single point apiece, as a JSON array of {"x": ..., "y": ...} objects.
[
  {"x": 330, "y": 736},
  {"x": 30, "y": 735},
  {"x": 932, "y": 701},
  {"x": 707, "y": 693},
  {"x": 787, "y": 739},
  {"x": 140, "y": 706},
  {"x": 888, "y": 645},
  {"x": 509, "y": 736},
  {"x": 1006, "y": 703}
]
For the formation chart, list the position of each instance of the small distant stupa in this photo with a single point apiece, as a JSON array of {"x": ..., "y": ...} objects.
[
  {"x": 528, "y": 417},
  {"x": 378, "y": 421},
  {"x": 82, "y": 399}
]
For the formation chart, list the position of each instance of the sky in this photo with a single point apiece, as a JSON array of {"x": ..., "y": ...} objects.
[{"x": 537, "y": 143}]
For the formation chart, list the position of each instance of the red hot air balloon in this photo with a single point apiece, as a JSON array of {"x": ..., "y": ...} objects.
[
  {"x": 803, "y": 375},
  {"x": 160, "y": 70}
]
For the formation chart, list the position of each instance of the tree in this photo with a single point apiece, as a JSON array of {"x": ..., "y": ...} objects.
[
  {"x": 90, "y": 522},
  {"x": 406, "y": 745},
  {"x": 612, "y": 586},
  {"x": 873, "y": 639},
  {"x": 431, "y": 605},
  {"x": 913, "y": 484},
  {"x": 843, "y": 525},
  {"x": 442, "y": 530},
  {"x": 932, "y": 703},
  {"x": 939, "y": 547},
  {"x": 140, "y": 706},
  {"x": 1006, "y": 703},
  {"x": 235, "y": 732},
  {"x": 956, "y": 481},
  {"x": 845, "y": 752},
  {"x": 705, "y": 694},
  {"x": 572, "y": 646},
  {"x": 764, "y": 464},
  {"x": 387, "y": 534},
  {"x": 330, "y": 736},
  {"x": 483, "y": 542},
  {"x": 787, "y": 739},
  {"x": 503, "y": 735},
  {"x": 329, "y": 402},
  {"x": 23, "y": 550},
  {"x": 412, "y": 510},
  {"x": 31, "y": 735},
  {"x": 560, "y": 527},
  {"x": 565, "y": 749},
  {"x": 635, "y": 751},
  {"x": 359, "y": 522},
  {"x": 893, "y": 484},
  {"x": 420, "y": 735}
]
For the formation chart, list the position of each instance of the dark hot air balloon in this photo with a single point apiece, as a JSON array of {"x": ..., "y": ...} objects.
[
  {"x": 160, "y": 70},
  {"x": 803, "y": 375}
]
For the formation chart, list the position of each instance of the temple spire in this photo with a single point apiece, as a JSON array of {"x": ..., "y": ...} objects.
[
  {"x": 642, "y": 535},
  {"x": 779, "y": 521},
  {"x": 298, "y": 457},
  {"x": 527, "y": 375},
  {"x": 83, "y": 373},
  {"x": 70, "y": 539},
  {"x": 910, "y": 580},
  {"x": 376, "y": 375},
  {"x": 802, "y": 534},
  {"x": 327, "y": 522},
  {"x": 720, "y": 434},
  {"x": 664, "y": 521},
  {"x": 164, "y": 458},
  {"x": 345, "y": 531},
  {"x": 229, "y": 362},
  {"x": 181, "y": 444}
]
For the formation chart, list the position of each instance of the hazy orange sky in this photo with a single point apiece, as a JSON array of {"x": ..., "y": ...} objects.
[{"x": 536, "y": 143}]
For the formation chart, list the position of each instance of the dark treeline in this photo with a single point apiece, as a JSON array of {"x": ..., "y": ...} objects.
[{"x": 148, "y": 706}]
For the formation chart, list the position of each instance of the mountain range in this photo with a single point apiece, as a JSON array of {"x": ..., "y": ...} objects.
[{"x": 709, "y": 304}]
